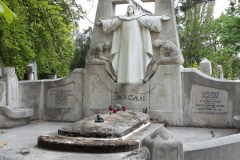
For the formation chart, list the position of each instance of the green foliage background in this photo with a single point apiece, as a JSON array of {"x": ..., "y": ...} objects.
[
  {"x": 42, "y": 32},
  {"x": 82, "y": 42},
  {"x": 202, "y": 36}
]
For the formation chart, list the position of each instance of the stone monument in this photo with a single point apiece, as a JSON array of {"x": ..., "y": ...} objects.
[
  {"x": 134, "y": 63},
  {"x": 133, "y": 59}
]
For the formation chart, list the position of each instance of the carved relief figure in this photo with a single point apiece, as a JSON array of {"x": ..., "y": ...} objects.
[
  {"x": 167, "y": 53},
  {"x": 100, "y": 58},
  {"x": 131, "y": 49}
]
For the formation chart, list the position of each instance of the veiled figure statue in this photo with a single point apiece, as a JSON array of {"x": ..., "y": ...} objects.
[
  {"x": 99, "y": 57},
  {"x": 167, "y": 53},
  {"x": 131, "y": 49}
]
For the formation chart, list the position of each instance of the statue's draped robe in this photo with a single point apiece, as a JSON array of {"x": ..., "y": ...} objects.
[{"x": 131, "y": 49}]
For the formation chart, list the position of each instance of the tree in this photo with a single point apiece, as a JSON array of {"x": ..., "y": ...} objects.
[
  {"x": 226, "y": 31},
  {"x": 6, "y": 12},
  {"x": 194, "y": 23},
  {"x": 42, "y": 32},
  {"x": 82, "y": 42}
]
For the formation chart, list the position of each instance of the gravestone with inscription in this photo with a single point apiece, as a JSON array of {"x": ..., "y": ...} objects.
[
  {"x": 61, "y": 97},
  {"x": 209, "y": 100}
]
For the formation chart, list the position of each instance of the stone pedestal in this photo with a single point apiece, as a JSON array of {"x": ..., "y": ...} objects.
[
  {"x": 10, "y": 114},
  {"x": 165, "y": 95},
  {"x": 108, "y": 136},
  {"x": 162, "y": 145},
  {"x": 32, "y": 71},
  {"x": 161, "y": 96}
]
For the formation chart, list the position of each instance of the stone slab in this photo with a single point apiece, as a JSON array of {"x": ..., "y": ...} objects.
[
  {"x": 61, "y": 97},
  {"x": 64, "y": 143},
  {"x": 16, "y": 113},
  {"x": 209, "y": 100},
  {"x": 114, "y": 125}
]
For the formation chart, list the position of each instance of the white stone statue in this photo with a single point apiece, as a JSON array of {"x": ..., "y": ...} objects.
[
  {"x": 131, "y": 49},
  {"x": 99, "y": 57},
  {"x": 167, "y": 53}
]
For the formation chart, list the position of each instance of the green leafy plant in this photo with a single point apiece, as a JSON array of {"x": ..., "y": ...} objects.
[{"x": 6, "y": 12}]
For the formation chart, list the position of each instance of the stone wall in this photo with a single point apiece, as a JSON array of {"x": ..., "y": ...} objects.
[
  {"x": 225, "y": 148},
  {"x": 179, "y": 96},
  {"x": 161, "y": 96},
  {"x": 207, "y": 101},
  {"x": 55, "y": 100}
]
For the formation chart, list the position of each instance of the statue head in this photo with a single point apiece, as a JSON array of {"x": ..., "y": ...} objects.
[
  {"x": 157, "y": 43},
  {"x": 131, "y": 10},
  {"x": 107, "y": 45}
]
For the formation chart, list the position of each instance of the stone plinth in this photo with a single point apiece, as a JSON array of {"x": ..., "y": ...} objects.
[
  {"x": 105, "y": 137},
  {"x": 162, "y": 145},
  {"x": 86, "y": 145},
  {"x": 114, "y": 125},
  {"x": 161, "y": 95}
]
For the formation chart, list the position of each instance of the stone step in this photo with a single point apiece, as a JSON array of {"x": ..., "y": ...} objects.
[{"x": 120, "y": 132}]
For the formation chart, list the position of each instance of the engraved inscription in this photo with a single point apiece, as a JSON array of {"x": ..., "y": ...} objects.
[
  {"x": 209, "y": 100},
  {"x": 61, "y": 97},
  {"x": 130, "y": 97}
]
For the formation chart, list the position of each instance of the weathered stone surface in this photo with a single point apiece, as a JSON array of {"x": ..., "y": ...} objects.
[
  {"x": 11, "y": 115},
  {"x": 32, "y": 71},
  {"x": 219, "y": 107},
  {"x": 106, "y": 137},
  {"x": 138, "y": 154},
  {"x": 160, "y": 95},
  {"x": 162, "y": 145},
  {"x": 11, "y": 80},
  {"x": 14, "y": 117},
  {"x": 205, "y": 66},
  {"x": 236, "y": 121},
  {"x": 165, "y": 92},
  {"x": 54, "y": 100},
  {"x": 114, "y": 125},
  {"x": 209, "y": 100},
  {"x": 86, "y": 145}
]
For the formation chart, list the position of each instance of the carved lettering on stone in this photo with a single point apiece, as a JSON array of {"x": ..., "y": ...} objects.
[
  {"x": 130, "y": 97},
  {"x": 209, "y": 100},
  {"x": 61, "y": 97}
]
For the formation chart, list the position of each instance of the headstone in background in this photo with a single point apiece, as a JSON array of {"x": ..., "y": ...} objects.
[
  {"x": 220, "y": 68},
  {"x": 32, "y": 71},
  {"x": 205, "y": 66}
]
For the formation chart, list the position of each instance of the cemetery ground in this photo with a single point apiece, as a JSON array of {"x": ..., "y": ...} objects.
[{"x": 21, "y": 143}]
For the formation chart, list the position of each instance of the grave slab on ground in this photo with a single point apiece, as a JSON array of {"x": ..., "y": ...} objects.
[{"x": 89, "y": 136}]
